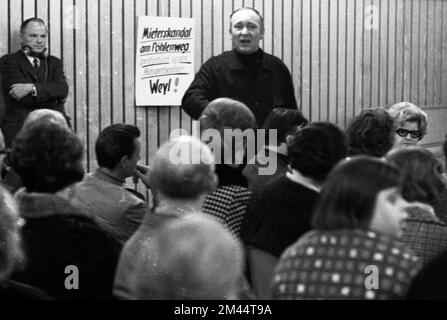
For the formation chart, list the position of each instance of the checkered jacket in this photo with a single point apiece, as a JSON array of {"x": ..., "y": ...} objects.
[
  {"x": 424, "y": 233},
  {"x": 228, "y": 204},
  {"x": 345, "y": 264}
]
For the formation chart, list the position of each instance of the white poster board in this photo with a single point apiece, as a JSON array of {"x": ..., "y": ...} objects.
[{"x": 164, "y": 61}]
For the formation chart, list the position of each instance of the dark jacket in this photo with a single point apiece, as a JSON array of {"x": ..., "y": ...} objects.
[
  {"x": 227, "y": 76},
  {"x": 51, "y": 87},
  {"x": 57, "y": 235}
]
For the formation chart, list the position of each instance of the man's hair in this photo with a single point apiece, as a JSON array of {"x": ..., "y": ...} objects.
[
  {"x": 421, "y": 172},
  {"x": 45, "y": 115},
  {"x": 407, "y": 112},
  {"x": 261, "y": 18},
  {"x": 183, "y": 168},
  {"x": 47, "y": 157},
  {"x": 28, "y": 21},
  {"x": 114, "y": 143},
  {"x": 11, "y": 252},
  {"x": 192, "y": 257},
  {"x": 315, "y": 149},
  {"x": 284, "y": 120},
  {"x": 226, "y": 113},
  {"x": 371, "y": 133},
  {"x": 348, "y": 197}
]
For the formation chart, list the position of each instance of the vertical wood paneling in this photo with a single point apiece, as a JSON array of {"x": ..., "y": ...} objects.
[
  {"x": 338, "y": 65},
  {"x": 80, "y": 70},
  {"x": 4, "y": 35}
]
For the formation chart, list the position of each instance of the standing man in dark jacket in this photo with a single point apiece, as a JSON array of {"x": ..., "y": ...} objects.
[
  {"x": 31, "y": 79},
  {"x": 246, "y": 73}
]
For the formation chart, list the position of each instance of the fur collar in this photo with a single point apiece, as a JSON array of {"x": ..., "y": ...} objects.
[{"x": 39, "y": 205}]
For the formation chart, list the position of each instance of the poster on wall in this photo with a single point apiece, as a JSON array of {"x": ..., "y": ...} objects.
[{"x": 164, "y": 60}]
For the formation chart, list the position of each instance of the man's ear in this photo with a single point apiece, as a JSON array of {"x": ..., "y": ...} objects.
[{"x": 124, "y": 161}]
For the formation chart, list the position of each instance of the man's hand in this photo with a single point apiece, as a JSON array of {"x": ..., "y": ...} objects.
[
  {"x": 19, "y": 91},
  {"x": 144, "y": 174}
]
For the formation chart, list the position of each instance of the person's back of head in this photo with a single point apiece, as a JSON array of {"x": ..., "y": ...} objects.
[
  {"x": 47, "y": 157},
  {"x": 183, "y": 169},
  {"x": 371, "y": 133},
  {"x": 284, "y": 120},
  {"x": 193, "y": 257},
  {"x": 45, "y": 115},
  {"x": 114, "y": 143},
  {"x": 348, "y": 198},
  {"x": 315, "y": 149},
  {"x": 11, "y": 252},
  {"x": 226, "y": 113},
  {"x": 422, "y": 179}
]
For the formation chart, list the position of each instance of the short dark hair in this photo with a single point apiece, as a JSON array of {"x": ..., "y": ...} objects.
[
  {"x": 47, "y": 157},
  {"x": 284, "y": 120},
  {"x": 261, "y": 18},
  {"x": 28, "y": 21},
  {"x": 315, "y": 149},
  {"x": 421, "y": 174},
  {"x": 371, "y": 133},
  {"x": 114, "y": 143},
  {"x": 348, "y": 197}
]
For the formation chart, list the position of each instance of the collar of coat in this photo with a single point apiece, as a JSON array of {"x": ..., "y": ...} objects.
[
  {"x": 39, "y": 205},
  {"x": 236, "y": 63}
]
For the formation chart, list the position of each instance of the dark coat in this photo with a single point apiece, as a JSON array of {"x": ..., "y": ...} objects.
[
  {"x": 51, "y": 87},
  {"x": 57, "y": 235},
  {"x": 227, "y": 76}
]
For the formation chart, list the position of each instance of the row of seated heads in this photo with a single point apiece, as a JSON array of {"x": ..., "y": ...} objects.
[{"x": 314, "y": 150}]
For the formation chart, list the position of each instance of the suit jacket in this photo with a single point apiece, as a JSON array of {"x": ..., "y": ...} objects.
[
  {"x": 51, "y": 86},
  {"x": 227, "y": 76},
  {"x": 113, "y": 206}
]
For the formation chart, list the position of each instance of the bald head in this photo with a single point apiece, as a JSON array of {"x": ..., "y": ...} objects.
[
  {"x": 193, "y": 257},
  {"x": 183, "y": 168}
]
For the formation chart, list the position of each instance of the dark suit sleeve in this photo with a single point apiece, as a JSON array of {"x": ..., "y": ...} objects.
[
  {"x": 56, "y": 87},
  {"x": 289, "y": 89},
  {"x": 201, "y": 91}
]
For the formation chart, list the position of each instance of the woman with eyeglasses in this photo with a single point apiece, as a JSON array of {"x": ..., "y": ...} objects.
[{"x": 410, "y": 124}]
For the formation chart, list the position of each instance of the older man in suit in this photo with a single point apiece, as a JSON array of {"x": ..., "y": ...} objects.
[{"x": 31, "y": 79}]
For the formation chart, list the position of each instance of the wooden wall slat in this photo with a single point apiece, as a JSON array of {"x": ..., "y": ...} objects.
[
  {"x": 4, "y": 36},
  {"x": 338, "y": 65},
  {"x": 93, "y": 87},
  {"x": 415, "y": 78},
  {"x": 67, "y": 55},
  {"x": 80, "y": 62}
]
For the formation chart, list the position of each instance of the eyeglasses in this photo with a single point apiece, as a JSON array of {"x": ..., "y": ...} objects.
[{"x": 415, "y": 134}]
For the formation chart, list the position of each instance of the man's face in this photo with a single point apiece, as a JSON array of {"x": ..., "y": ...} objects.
[
  {"x": 131, "y": 163},
  {"x": 35, "y": 36},
  {"x": 246, "y": 31}
]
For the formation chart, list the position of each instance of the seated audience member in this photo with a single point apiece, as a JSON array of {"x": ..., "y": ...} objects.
[
  {"x": 115, "y": 206},
  {"x": 190, "y": 258},
  {"x": 431, "y": 281},
  {"x": 11, "y": 180},
  {"x": 11, "y": 252},
  {"x": 422, "y": 185},
  {"x": 221, "y": 121},
  {"x": 273, "y": 153},
  {"x": 180, "y": 186},
  {"x": 281, "y": 211},
  {"x": 410, "y": 124},
  {"x": 371, "y": 133},
  {"x": 441, "y": 205},
  {"x": 354, "y": 251},
  {"x": 57, "y": 235}
]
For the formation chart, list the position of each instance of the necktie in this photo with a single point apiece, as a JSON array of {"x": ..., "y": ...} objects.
[{"x": 36, "y": 64}]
